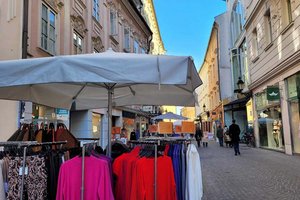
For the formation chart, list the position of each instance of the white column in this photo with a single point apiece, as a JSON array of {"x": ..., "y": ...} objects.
[
  {"x": 285, "y": 118},
  {"x": 255, "y": 123}
]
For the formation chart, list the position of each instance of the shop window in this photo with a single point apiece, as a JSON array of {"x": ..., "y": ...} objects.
[
  {"x": 268, "y": 27},
  {"x": 48, "y": 31},
  {"x": 96, "y": 123},
  {"x": 293, "y": 84},
  {"x": 77, "y": 43},
  {"x": 96, "y": 10}
]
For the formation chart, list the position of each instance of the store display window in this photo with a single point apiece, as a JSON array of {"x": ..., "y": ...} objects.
[
  {"x": 293, "y": 84},
  {"x": 269, "y": 122}
]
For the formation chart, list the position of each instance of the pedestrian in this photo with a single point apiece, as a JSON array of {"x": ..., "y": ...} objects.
[
  {"x": 198, "y": 134},
  {"x": 205, "y": 138},
  {"x": 234, "y": 132},
  {"x": 133, "y": 135},
  {"x": 227, "y": 138},
  {"x": 220, "y": 134}
]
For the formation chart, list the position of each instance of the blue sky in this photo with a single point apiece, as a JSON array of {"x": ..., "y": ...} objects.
[{"x": 185, "y": 25}]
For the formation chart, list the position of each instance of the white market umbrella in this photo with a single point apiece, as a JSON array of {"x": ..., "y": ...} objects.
[
  {"x": 100, "y": 80},
  {"x": 170, "y": 115}
]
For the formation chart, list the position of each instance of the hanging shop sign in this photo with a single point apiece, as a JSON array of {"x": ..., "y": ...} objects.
[
  {"x": 188, "y": 127},
  {"x": 116, "y": 130},
  {"x": 153, "y": 128},
  {"x": 273, "y": 93},
  {"x": 178, "y": 129},
  {"x": 165, "y": 127}
]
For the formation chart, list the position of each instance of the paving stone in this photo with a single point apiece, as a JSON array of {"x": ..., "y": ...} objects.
[{"x": 256, "y": 174}]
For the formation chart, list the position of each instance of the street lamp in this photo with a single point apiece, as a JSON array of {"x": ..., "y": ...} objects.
[
  {"x": 204, "y": 106},
  {"x": 240, "y": 85}
]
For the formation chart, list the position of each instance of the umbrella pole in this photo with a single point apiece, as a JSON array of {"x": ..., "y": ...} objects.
[{"x": 110, "y": 92}]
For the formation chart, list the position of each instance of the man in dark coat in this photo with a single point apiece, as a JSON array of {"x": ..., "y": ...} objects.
[
  {"x": 234, "y": 132},
  {"x": 198, "y": 134}
]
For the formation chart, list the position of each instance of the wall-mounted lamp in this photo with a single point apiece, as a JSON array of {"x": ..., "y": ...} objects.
[
  {"x": 204, "y": 106},
  {"x": 240, "y": 83}
]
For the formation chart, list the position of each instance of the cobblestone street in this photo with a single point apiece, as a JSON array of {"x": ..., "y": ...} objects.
[{"x": 257, "y": 174}]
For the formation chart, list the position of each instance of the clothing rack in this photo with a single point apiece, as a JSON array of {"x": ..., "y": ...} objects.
[
  {"x": 26, "y": 145},
  {"x": 156, "y": 143},
  {"x": 82, "y": 164}
]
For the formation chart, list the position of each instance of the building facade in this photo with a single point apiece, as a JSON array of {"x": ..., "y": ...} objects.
[
  {"x": 189, "y": 112},
  {"x": 209, "y": 108},
  {"x": 61, "y": 27},
  {"x": 215, "y": 73},
  {"x": 235, "y": 105},
  {"x": 272, "y": 32}
]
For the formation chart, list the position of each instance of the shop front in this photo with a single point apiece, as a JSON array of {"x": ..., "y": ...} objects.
[
  {"x": 293, "y": 85},
  {"x": 269, "y": 118}
]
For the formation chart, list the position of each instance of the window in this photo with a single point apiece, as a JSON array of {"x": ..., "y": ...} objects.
[
  {"x": 237, "y": 20},
  {"x": 254, "y": 44},
  {"x": 77, "y": 43},
  {"x": 268, "y": 27},
  {"x": 135, "y": 47},
  {"x": 113, "y": 22},
  {"x": 286, "y": 12},
  {"x": 96, "y": 10},
  {"x": 126, "y": 39},
  {"x": 48, "y": 30}
]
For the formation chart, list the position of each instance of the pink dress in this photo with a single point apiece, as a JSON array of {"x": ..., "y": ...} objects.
[{"x": 97, "y": 180}]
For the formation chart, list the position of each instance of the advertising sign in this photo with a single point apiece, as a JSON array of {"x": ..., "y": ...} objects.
[
  {"x": 165, "y": 127},
  {"x": 178, "y": 129},
  {"x": 273, "y": 93},
  {"x": 153, "y": 128},
  {"x": 116, "y": 130},
  {"x": 188, "y": 127}
]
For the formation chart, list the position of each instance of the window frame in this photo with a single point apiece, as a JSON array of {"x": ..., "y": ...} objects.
[
  {"x": 96, "y": 10},
  {"x": 286, "y": 13},
  {"x": 48, "y": 30},
  {"x": 76, "y": 44},
  {"x": 268, "y": 27},
  {"x": 113, "y": 22},
  {"x": 126, "y": 39},
  {"x": 136, "y": 46},
  {"x": 254, "y": 44}
]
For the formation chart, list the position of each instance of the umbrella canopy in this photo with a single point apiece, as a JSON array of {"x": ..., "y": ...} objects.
[
  {"x": 170, "y": 115},
  {"x": 84, "y": 79},
  {"x": 101, "y": 80}
]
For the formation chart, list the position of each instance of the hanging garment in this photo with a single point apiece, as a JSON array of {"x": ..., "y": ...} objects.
[
  {"x": 2, "y": 190},
  {"x": 97, "y": 182},
  {"x": 135, "y": 177},
  {"x": 194, "y": 187},
  {"x": 35, "y": 182}
]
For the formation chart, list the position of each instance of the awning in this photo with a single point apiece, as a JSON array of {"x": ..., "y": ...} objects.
[{"x": 237, "y": 104}]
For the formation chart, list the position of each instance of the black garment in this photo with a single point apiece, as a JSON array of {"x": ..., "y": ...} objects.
[
  {"x": 132, "y": 136},
  {"x": 219, "y": 132},
  {"x": 198, "y": 136},
  {"x": 234, "y": 132}
]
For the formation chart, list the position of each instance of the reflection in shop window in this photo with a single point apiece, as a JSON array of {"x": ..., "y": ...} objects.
[{"x": 96, "y": 122}]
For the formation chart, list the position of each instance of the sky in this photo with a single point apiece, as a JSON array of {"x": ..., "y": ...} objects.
[{"x": 185, "y": 25}]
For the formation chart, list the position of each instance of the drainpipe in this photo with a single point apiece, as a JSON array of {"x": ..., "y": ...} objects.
[
  {"x": 24, "y": 47},
  {"x": 25, "y": 29}
]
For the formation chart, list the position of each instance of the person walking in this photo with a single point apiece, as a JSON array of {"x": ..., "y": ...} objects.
[
  {"x": 198, "y": 134},
  {"x": 234, "y": 132},
  {"x": 227, "y": 138},
  {"x": 220, "y": 134}
]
